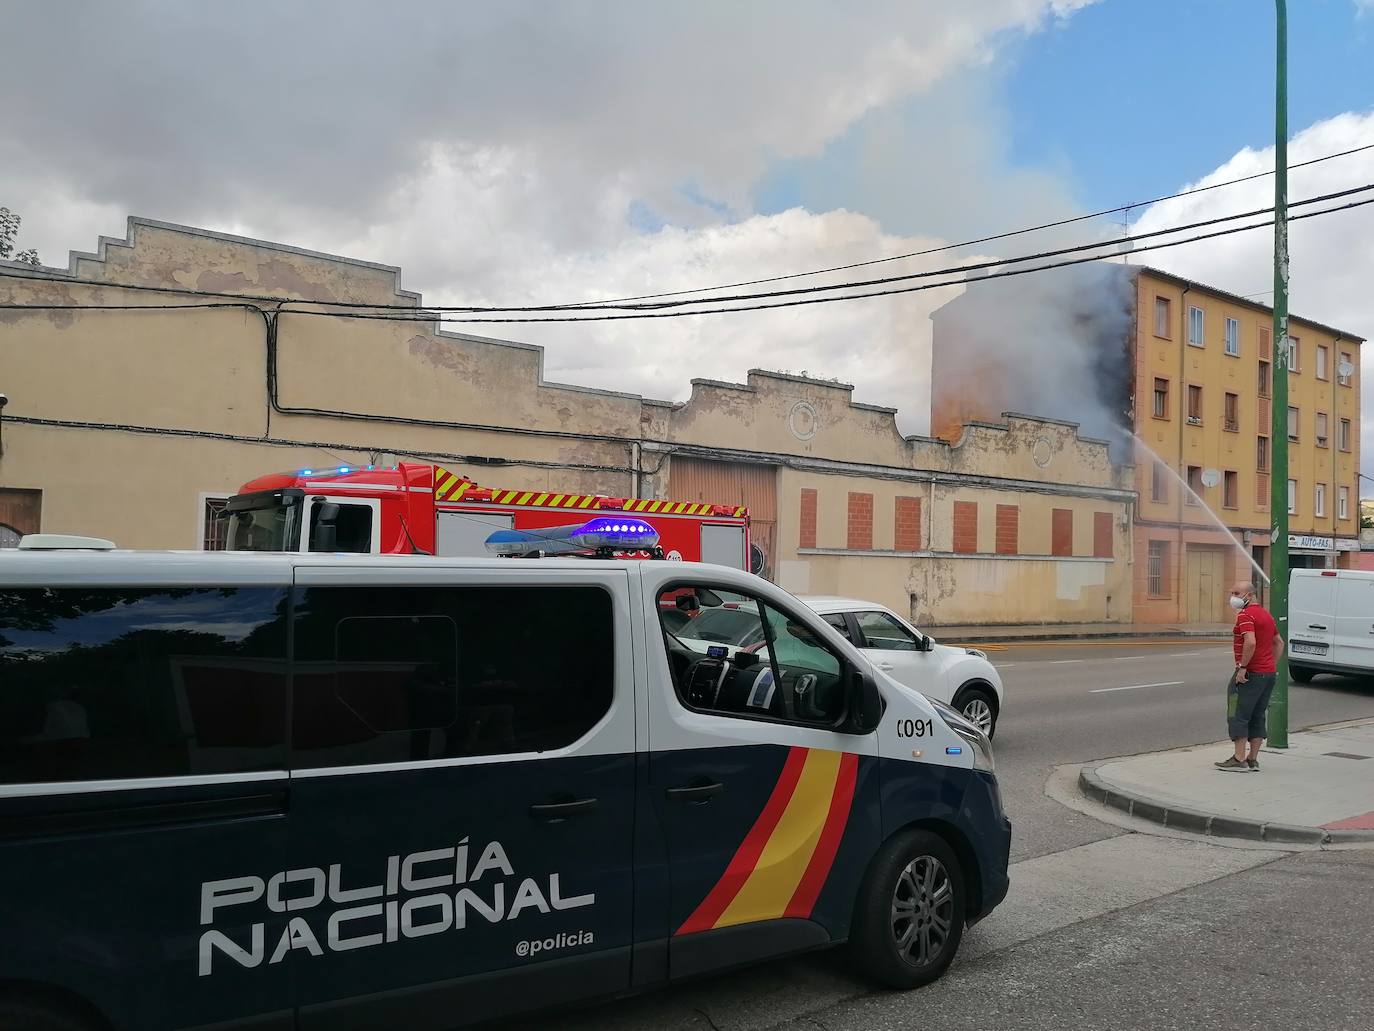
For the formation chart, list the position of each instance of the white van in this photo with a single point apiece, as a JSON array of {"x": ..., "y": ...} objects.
[
  {"x": 1330, "y": 622},
  {"x": 298, "y": 792}
]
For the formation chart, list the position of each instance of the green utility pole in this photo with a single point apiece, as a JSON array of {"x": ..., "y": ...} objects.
[{"x": 1278, "y": 553}]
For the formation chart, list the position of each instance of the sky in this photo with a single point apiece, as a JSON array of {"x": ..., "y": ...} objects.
[{"x": 522, "y": 153}]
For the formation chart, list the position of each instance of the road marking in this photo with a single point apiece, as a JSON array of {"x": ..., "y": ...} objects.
[
  {"x": 1063, "y": 662},
  {"x": 1136, "y": 687}
]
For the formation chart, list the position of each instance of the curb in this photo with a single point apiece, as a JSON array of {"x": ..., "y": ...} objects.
[
  {"x": 1177, "y": 817},
  {"x": 1062, "y": 636}
]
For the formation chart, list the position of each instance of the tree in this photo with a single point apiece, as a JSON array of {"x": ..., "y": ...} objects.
[{"x": 9, "y": 230}]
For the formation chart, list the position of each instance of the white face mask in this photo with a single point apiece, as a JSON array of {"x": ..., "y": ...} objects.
[{"x": 1237, "y": 603}]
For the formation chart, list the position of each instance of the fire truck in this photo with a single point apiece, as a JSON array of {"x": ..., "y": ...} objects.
[{"x": 427, "y": 509}]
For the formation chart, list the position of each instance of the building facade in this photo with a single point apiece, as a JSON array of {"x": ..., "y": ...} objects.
[
  {"x": 137, "y": 419},
  {"x": 1198, "y": 402}
]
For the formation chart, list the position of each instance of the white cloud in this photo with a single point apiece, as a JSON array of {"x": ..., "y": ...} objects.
[{"x": 1331, "y": 260}]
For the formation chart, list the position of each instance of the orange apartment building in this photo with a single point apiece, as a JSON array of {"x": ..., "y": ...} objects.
[{"x": 1193, "y": 381}]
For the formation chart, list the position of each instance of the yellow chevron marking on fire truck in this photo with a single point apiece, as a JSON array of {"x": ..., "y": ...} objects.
[
  {"x": 444, "y": 480},
  {"x": 557, "y": 501},
  {"x": 525, "y": 497},
  {"x": 541, "y": 499},
  {"x": 463, "y": 488},
  {"x": 587, "y": 501}
]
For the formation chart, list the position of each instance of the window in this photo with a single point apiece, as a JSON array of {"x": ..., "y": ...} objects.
[
  {"x": 113, "y": 683},
  {"x": 1292, "y": 497},
  {"x": 806, "y": 518},
  {"x": 1294, "y": 354},
  {"x": 883, "y": 633},
  {"x": 1230, "y": 490},
  {"x": 1319, "y": 501},
  {"x": 1343, "y": 503},
  {"x": 766, "y": 664},
  {"x": 1159, "y": 482},
  {"x": 1061, "y": 532},
  {"x": 389, "y": 674},
  {"x": 837, "y": 620},
  {"x": 1264, "y": 380},
  {"x": 1266, "y": 341},
  {"x": 214, "y": 523},
  {"x": 1233, "y": 413},
  {"x": 1163, "y": 318},
  {"x": 1195, "y": 326},
  {"x": 1345, "y": 435},
  {"x": 966, "y": 527},
  {"x": 1293, "y": 416},
  {"x": 1233, "y": 337},
  {"x": 341, "y": 528},
  {"x": 1194, "y": 405},
  {"x": 1008, "y": 529},
  {"x": 1102, "y": 535},
  {"x": 1345, "y": 370},
  {"x": 860, "y": 521},
  {"x": 1157, "y": 569},
  {"x": 1262, "y": 454},
  {"x": 1161, "y": 403},
  {"x": 1322, "y": 352},
  {"x": 1262, "y": 498},
  {"x": 1322, "y": 429},
  {"x": 906, "y": 524},
  {"x": 1195, "y": 484}
]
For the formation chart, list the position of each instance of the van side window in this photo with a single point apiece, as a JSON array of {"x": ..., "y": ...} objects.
[
  {"x": 739, "y": 656},
  {"x": 881, "y": 631},
  {"x": 388, "y": 674},
  {"x": 113, "y": 683},
  {"x": 352, "y": 526}
]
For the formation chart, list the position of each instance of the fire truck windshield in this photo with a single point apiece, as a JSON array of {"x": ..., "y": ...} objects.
[{"x": 267, "y": 522}]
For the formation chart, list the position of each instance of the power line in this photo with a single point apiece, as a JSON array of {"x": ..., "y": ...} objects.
[
  {"x": 429, "y": 312},
  {"x": 982, "y": 239},
  {"x": 797, "y": 302},
  {"x": 595, "y": 305}
]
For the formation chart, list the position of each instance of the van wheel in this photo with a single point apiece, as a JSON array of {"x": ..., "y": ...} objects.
[
  {"x": 909, "y": 917},
  {"x": 979, "y": 707},
  {"x": 1301, "y": 674},
  {"x": 21, "y": 1014}
]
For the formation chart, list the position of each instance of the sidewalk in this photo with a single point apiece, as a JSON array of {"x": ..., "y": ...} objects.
[
  {"x": 1009, "y": 634},
  {"x": 1319, "y": 790}
]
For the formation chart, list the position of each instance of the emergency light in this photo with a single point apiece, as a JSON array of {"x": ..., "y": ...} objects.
[{"x": 605, "y": 533}]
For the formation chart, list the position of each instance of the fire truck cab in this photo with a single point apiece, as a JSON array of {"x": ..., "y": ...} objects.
[{"x": 420, "y": 508}]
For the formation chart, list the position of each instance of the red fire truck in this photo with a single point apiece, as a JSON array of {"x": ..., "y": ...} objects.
[{"x": 421, "y": 508}]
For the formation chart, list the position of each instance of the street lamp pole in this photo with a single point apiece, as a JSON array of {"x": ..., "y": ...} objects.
[{"x": 1278, "y": 505}]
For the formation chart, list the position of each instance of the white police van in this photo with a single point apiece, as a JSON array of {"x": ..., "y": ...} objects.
[{"x": 307, "y": 792}]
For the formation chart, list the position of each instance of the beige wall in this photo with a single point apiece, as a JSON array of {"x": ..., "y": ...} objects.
[{"x": 125, "y": 420}]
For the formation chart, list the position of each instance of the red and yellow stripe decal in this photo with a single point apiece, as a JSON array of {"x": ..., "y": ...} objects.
[
  {"x": 450, "y": 486},
  {"x": 781, "y": 866}
]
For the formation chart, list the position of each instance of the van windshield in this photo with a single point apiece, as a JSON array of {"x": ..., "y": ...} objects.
[{"x": 268, "y": 523}]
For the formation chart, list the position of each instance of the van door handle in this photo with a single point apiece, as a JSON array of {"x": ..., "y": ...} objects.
[
  {"x": 696, "y": 794},
  {"x": 557, "y": 812},
  {"x": 886, "y": 667},
  {"x": 1315, "y": 626}
]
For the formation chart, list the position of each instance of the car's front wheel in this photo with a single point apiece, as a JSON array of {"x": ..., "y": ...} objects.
[
  {"x": 979, "y": 707},
  {"x": 909, "y": 917},
  {"x": 1301, "y": 674}
]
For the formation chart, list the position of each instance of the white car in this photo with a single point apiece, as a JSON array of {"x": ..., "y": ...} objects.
[{"x": 959, "y": 677}]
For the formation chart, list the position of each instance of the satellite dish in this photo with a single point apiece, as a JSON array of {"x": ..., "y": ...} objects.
[
  {"x": 758, "y": 561},
  {"x": 1210, "y": 477},
  {"x": 1345, "y": 369}
]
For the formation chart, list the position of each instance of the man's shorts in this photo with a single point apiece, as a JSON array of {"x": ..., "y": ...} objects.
[{"x": 1247, "y": 705}]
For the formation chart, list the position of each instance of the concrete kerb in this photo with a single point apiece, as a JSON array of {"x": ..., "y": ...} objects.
[{"x": 1168, "y": 814}]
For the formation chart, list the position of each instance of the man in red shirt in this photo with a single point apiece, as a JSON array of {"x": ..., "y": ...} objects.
[{"x": 1257, "y": 644}]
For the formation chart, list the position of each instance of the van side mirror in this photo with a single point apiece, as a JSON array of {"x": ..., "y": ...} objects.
[
  {"x": 865, "y": 703},
  {"x": 926, "y": 643}
]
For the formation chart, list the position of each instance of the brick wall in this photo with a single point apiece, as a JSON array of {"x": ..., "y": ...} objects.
[
  {"x": 1061, "y": 532},
  {"x": 907, "y": 525},
  {"x": 806, "y": 535},
  {"x": 1008, "y": 529},
  {"x": 966, "y": 527},
  {"x": 860, "y": 521}
]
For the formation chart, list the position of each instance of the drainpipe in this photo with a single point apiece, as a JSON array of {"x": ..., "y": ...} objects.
[{"x": 1181, "y": 608}]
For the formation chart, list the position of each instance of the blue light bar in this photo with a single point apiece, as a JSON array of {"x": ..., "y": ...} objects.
[
  {"x": 954, "y": 750},
  {"x": 615, "y": 533}
]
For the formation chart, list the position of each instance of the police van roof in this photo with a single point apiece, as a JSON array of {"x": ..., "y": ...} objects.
[{"x": 234, "y": 567}]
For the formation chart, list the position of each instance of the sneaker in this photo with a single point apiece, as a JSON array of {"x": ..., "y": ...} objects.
[
  {"x": 1253, "y": 764},
  {"x": 1233, "y": 765}
]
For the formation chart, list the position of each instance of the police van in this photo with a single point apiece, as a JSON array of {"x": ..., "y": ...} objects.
[{"x": 295, "y": 791}]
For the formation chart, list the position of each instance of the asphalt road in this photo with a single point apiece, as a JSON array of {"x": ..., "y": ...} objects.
[{"x": 1103, "y": 927}]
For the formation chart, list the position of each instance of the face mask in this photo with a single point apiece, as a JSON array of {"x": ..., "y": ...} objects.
[{"x": 1237, "y": 603}]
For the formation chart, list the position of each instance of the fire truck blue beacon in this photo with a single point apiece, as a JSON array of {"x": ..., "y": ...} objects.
[{"x": 295, "y": 790}]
